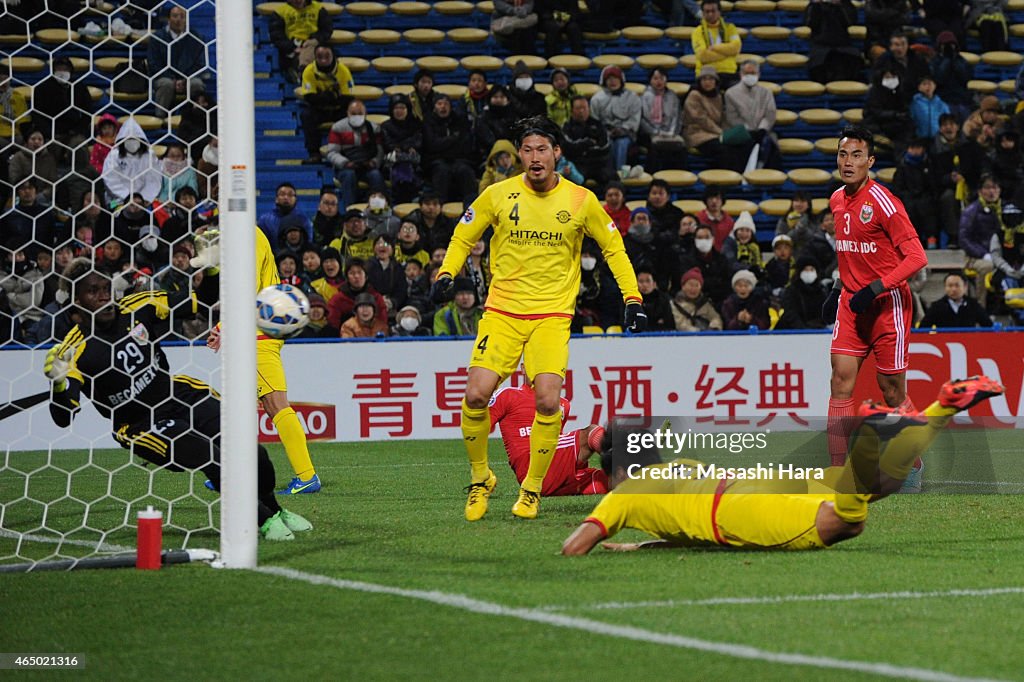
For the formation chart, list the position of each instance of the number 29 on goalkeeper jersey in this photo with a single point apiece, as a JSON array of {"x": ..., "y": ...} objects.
[{"x": 535, "y": 250}]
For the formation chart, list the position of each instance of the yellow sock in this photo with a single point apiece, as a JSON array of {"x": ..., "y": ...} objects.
[
  {"x": 476, "y": 428},
  {"x": 857, "y": 477},
  {"x": 901, "y": 452},
  {"x": 294, "y": 440},
  {"x": 543, "y": 442}
]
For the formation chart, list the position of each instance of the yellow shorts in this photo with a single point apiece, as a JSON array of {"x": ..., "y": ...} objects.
[
  {"x": 501, "y": 340},
  {"x": 770, "y": 521},
  {"x": 269, "y": 369}
]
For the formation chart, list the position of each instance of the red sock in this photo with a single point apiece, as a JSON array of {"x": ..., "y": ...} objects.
[{"x": 840, "y": 423}]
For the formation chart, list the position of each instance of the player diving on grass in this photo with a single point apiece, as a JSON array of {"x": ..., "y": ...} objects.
[
  {"x": 713, "y": 512},
  {"x": 271, "y": 385},
  {"x": 539, "y": 220},
  {"x": 512, "y": 410},
  {"x": 113, "y": 357},
  {"x": 878, "y": 250}
]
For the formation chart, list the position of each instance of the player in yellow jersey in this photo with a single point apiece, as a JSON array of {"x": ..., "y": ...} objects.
[
  {"x": 271, "y": 385},
  {"x": 708, "y": 512},
  {"x": 539, "y": 219}
]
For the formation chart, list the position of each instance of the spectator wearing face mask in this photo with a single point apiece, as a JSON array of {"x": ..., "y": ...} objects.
[
  {"x": 355, "y": 149},
  {"x": 380, "y": 219},
  {"x": 803, "y": 297},
  {"x": 150, "y": 253},
  {"x": 713, "y": 266},
  {"x": 62, "y": 104},
  {"x": 409, "y": 322},
  {"x": 177, "y": 171},
  {"x": 131, "y": 167},
  {"x": 599, "y": 301},
  {"x": 525, "y": 98}
]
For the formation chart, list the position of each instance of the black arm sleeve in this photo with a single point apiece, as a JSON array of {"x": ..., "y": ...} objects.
[{"x": 64, "y": 405}]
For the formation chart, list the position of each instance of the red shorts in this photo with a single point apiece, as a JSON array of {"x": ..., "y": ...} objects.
[
  {"x": 565, "y": 476},
  {"x": 882, "y": 329}
]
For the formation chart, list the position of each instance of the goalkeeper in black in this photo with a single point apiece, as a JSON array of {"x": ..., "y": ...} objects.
[{"x": 113, "y": 357}]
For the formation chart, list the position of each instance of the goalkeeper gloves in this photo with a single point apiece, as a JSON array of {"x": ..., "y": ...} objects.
[
  {"x": 862, "y": 300},
  {"x": 636, "y": 318},
  {"x": 207, "y": 252},
  {"x": 58, "y": 366},
  {"x": 443, "y": 289}
]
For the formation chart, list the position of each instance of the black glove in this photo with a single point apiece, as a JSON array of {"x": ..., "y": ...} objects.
[
  {"x": 862, "y": 300},
  {"x": 636, "y": 318},
  {"x": 443, "y": 289},
  {"x": 830, "y": 310}
]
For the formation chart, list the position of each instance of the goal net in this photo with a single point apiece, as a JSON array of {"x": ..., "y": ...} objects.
[{"x": 108, "y": 129}]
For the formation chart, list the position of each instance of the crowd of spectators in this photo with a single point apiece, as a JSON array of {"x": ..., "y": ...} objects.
[{"x": 88, "y": 183}]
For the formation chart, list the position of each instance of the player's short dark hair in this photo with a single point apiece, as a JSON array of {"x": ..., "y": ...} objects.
[
  {"x": 658, "y": 182},
  {"x": 536, "y": 125},
  {"x": 859, "y": 133}
]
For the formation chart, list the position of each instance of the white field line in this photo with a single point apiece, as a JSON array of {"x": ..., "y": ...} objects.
[
  {"x": 95, "y": 546},
  {"x": 789, "y": 598},
  {"x": 589, "y": 626}
]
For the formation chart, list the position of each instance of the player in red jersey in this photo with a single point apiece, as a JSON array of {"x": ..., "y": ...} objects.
[
  {"x": 512, "y": 410},
  {"x": 878, "y": 251}
]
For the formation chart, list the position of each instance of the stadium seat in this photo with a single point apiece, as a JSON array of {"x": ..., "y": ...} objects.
[
  {"x": 773, "y": 88},
  {"x": 638, "y": 88},
  {"x": 613, "y": 329},
  {"x": 774, "y": 207},
  {"x": 453, "y": 8},
  {"x": 847, "y": 88},
  {"x": 622, "y": 61},
  {"x": 453, "y": 209},
  {"x": 437, "y": 63},
  {"x": 485, "y": 7},
  {"x": 367, "y": 9},
  {"x": 857, "y": 32},
  {"x": 803, "y": 88},
  {"x": 399, "y": 89},
  {"x": 749, "y": 56},
  {"x": 453, "y": 90},
  {"x": 679, "y": 88},
  {"x": 650, "y": 61},
  {"x": 819, "y": 204},
  {"x": 466, "y": 34},
  {"x": 379, "y": 36},
  {"x": 643, "y": 180},
  {"x": 1008, "y": 86},
  {"x": 602, "y": 37},
  {"x": 355, "y": 64},
  {"x": 265, "y": 9},
  {"x": 17, "y": 39},
  {"x": 145, "y": 122},
  {"x": 689, "y": 61},
  {"x": 367, "y": 93},
  {"x": 971, "y": 58},
  {"x": 423, "y": 36},
  {"x": 642, "y": 34},
  {"x": 853, "y": 116},
  {"x": 820, "y": 117},
  {"x": 770, "y": 32},
  {"x": 785, "y": 117},
  {"x": 1017, "y": 30},
  {"x": 634, "y": 204},
  {"x": 402, "y": 210},
  {"x": 393, "y": 64},
  {"x": 765, "y": 177},
  {"x": 592, "y": 329},
  {"x": 585, "y": 89},
  {"x": 787, "y": 60},
  {"x": 408, "y": 8},
  {"x": 80, "y": 64},
  {"x": 110, "y": 64},
  {"x": 802, "y": 32},
  {"x": 569, "y": 62},
  {"x": 532, "y": 61},
  {"x": 57, "y": 36},
  {"x": 982, "y": 86},
  {"x": 689, "y": 205},
  {"x": 794, "y": 146},
  {"x": 332, "y": 8},
  {"x": 736, "y": 206},
  {"x": 810, "y": 176},
  {"x": 755, "y": 6},
  {"x": 886, "y": 175},
  {"x": 545, "y": 88},
  {"x": 342, "y": 37},
  {"x": 677, "y": 178},
  {"x": 680, "y": 33},
  {"x": 122, "y": 97},
  {"x": 995, "y": 58},
  {"x": 720, "y": 176},
  {"x": 23, "y": 64},
  {"x": 481, "y": 62},
  {"x": 827, "y": 145},
  {"x": 792, "y": 6}
]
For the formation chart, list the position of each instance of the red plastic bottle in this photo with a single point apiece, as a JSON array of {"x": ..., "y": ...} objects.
[{"x": 150, "y": 539}]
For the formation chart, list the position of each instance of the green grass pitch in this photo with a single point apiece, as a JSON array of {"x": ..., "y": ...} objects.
[{"x": 391, "y": 514}]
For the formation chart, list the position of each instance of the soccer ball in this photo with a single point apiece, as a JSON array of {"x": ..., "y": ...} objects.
[{"x": 281, "y": 311}]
